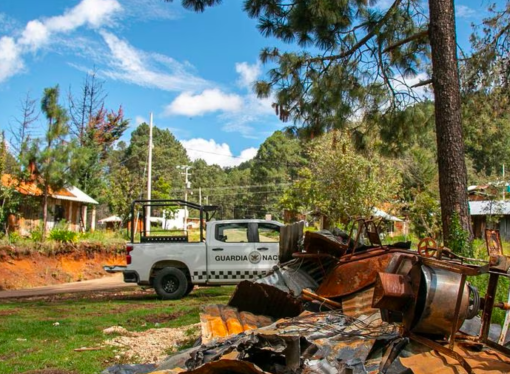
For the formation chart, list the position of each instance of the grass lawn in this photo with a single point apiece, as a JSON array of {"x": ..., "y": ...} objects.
[{"x": 31, "y": 338}]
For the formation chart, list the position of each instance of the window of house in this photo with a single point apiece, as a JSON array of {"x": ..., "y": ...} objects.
[{"x": 59, "y": 213}]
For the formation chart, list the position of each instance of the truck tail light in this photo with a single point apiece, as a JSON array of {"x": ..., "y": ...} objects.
[{"x": 129, "y": 248}]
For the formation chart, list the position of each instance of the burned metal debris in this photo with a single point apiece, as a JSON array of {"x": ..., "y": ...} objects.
[{"x": 348, "y": 304}]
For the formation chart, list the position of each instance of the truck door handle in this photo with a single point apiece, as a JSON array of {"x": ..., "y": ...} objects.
[
  {"x": 262, "y": 249},
  {"x": 217, "y": 249}
]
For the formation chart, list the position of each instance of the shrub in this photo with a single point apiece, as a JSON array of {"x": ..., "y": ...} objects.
[
  {"x": 37, "y": 235},
  {"x": 61, "y": 233},
  {"x": 14, "y": 237}
]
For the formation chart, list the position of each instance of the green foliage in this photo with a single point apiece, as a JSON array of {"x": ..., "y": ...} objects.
[
  {"x": 351, "y": 59},
  {"x": 14, "y": 237},
  {"x": 127, "y": 169},
  {"x": 425, "y": 215},
  {"x": 50, "y": 156},
  {"x": 211, "y": 180},
  {"x": 96, "y": 130},
  {"x": 341, "y": 183},
  {"x": 458, "y": 241},
  {"x": 486, "y": 122},
  {"x": 276, "y": 165},
  {"x": 61, "y": 233},
  {"x": 103, "y": 237},
  {"x": 37, "y": 235}
]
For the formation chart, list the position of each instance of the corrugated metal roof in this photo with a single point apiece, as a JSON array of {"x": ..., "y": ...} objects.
[
  {"x": 483, "y": 208},
  {"x": 382, "y": 214},
  {"x": 220, "y": 321},
  {"x": 77, "y": 195},
  {"x": 30, "y": 188}
]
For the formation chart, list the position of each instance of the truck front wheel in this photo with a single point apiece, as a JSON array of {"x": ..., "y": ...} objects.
[{"x": 170, "y": 284}]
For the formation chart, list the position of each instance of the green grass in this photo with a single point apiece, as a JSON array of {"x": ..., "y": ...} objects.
[{"x": 30, "y": 340}]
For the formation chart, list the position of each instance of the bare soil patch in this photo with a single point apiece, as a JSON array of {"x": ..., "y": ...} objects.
[
  {"x": 36, "y": 269},
  {"x": 153, "y": 345}
]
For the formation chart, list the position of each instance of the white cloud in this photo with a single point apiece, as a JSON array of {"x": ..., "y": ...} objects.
[
  {"x": 248, "y": 154},
  {"x": 39, "y": 33},
  {"x": 91, "y": 13},
  {"x": 463, "y": 11},
  {"x": 35, "y": 35},
  {"x": 403, "y": 84},
  {"x": 214, "y": 153},
  {"x": 148, "y": 10},
  {"x": 248, "y": 73},
  {"x": 208, "y": 101},
  {"x": 237, "y": 111},
  {"x": 139, "y": 120},
  {"x": 7, "y": 24},
  {"x": 128, "y": 64},
  {"x": 10, "y": 58}
]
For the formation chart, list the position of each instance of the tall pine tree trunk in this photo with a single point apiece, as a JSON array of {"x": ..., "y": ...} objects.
[{"x": 450, "y": 143}]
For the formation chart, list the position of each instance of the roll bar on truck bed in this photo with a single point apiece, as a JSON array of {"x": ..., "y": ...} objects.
[{"x": 206, "y": 212}]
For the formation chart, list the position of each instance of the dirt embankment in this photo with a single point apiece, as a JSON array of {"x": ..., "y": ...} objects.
[{"x": 81, "y": 262}]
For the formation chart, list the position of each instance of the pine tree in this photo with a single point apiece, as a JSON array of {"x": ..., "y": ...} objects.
[{"x": 50, "y": 158}]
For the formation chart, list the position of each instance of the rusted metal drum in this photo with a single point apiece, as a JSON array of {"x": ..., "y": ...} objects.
[{"x": 437, "y": 298}]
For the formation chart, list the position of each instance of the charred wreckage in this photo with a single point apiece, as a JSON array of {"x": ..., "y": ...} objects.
[{"x": 346, "y": 303}]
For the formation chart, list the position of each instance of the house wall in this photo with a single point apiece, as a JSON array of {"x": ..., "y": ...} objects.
[
  {"x": 480, "y": 224},
  {"x": 30, "y": 215},
  {"x": 504, "y": 228}
]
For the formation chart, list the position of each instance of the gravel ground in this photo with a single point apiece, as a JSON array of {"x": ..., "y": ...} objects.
[{"x": 151, "y": 346}]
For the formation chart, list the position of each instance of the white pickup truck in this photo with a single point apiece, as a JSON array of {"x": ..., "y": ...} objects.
[{"x": 232, "y": 251}]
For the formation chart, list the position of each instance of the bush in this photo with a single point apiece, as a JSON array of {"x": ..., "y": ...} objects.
[
  {"x": 14, "y": 237},
  {"x": 37, "y": 235},
  {"x": 61, "y": 233}
]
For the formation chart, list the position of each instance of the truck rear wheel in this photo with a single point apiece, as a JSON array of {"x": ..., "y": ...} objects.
[{"x": 171, "y": 284}]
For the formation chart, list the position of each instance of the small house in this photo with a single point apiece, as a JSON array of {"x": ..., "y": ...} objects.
[
  {"x": 70, "y": 204},
  {"x": 490, "y": 214}
]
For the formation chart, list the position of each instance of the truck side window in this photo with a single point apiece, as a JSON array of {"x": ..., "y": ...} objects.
[
  {"x": 269, "y": 233},
  {"x": 232, "y": 232}
]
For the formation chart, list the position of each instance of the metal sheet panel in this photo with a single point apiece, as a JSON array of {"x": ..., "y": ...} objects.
[
  {"x": 353, "y": 276},
  {"x": 263, "y": 299},
  {"x": 220, "y": 321},
  {"x": 428, "y": 361}
]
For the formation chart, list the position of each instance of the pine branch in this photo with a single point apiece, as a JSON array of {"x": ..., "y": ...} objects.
[
  {"x": 364, "y": 40},
  {"x": 422, "y": 83},
  {"x": 418, "y": 35}
]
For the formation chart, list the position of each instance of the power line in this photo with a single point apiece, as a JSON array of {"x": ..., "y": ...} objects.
[
  {"x": 239, "y": 187},
  {"x": 246, "y": 159}
]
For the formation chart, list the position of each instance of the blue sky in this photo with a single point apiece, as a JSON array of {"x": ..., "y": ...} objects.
[{"x": 193, "y": 71}]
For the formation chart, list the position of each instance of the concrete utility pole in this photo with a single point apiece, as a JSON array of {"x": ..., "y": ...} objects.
[{"x": 149, "y": 180}]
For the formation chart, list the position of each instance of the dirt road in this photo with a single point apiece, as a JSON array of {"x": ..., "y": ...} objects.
[{"x": 102, "y": 284}]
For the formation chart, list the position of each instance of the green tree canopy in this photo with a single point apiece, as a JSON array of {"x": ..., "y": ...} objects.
[
  {"x": 275, "y": 166},
  {"x": 339, "y": 182},
  {"x": 127, "y": 169},
  {"x": 51, "y": 157}
]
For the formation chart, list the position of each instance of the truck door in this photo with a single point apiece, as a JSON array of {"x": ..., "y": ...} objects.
[
  {"x": 268, "y": 244},
  {"x": 231, "y": 253}
]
